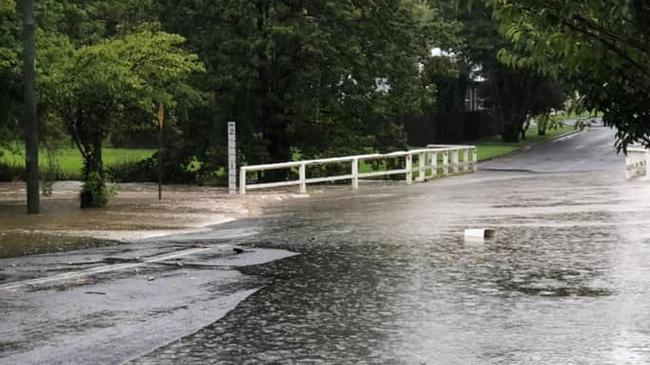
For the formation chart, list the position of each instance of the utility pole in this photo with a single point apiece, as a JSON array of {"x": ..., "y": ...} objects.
[{"x": 30, "y": 114}]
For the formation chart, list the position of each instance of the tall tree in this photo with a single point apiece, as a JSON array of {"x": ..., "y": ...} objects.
[
  {"x": 30, "y": 115},
  {"x": 320, "y": 77},
  {"x": 10, "y": 69},
  {"x": 92, "y": 88},
  {"x": 511, "y": 92}
]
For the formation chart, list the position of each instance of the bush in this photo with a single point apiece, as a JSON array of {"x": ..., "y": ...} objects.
[
  {"x": 134, "y": 171},
  {"x": 147, "y": 171},
  {"x": 94, "y": 192}
]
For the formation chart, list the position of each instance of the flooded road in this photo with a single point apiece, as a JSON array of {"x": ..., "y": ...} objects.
[{"x": 385, "y": 276}]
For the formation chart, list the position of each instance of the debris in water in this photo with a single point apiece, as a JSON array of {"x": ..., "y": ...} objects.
[{"x": 482, "y": 233}]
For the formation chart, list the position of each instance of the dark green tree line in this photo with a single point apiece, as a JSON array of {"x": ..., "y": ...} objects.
[
  {"x": 306, "y": 75},
  {"x": 509, "y": 92}
]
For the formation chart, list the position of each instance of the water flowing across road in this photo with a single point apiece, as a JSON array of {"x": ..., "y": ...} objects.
[{"x": 384, "y": 275}]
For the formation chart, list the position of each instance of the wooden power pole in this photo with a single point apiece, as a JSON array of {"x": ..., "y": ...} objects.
[{"x": 30, "y": 115}]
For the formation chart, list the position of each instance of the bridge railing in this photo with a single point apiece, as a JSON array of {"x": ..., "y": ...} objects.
[
  {"x": 636, "y": 162},
  {"x": 430, "y": 162}
]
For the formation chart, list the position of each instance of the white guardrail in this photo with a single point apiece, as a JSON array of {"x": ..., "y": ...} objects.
[
  {"x": 636, "y": 162},
  {"x": 433, "y": 161}
]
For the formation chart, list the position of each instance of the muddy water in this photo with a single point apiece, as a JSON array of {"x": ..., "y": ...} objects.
[
  {"x": 385, "y": 277},
  {"x": 135, "y": 213}
]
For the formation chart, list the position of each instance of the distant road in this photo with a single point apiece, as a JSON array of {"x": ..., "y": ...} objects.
[{"x": 592, "y": 150}]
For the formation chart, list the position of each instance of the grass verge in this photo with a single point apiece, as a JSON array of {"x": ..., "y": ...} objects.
[
  {"x": 493, "y": 147},
  {"x": 70, "y": 163}
]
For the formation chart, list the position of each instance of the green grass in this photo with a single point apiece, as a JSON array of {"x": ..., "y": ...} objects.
[
  {"x": 488, "y": 148},
  {"x": 70, "y": 163},
  {"x": 493, "y": 147},
  {"x": 69, "y": 160}
]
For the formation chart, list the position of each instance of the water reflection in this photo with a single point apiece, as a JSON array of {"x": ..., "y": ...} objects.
[{"x": 387, "y": 278}]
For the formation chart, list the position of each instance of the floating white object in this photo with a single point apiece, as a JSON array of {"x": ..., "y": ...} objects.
[{"x": 483, "y": 233}]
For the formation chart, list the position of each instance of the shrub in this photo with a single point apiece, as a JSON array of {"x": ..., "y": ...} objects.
[
  {"x": 174, "y": 171},
  {"x": 94, "y": 192}
]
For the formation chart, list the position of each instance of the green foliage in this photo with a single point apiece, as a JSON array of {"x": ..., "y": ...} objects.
[
  {"x": 322, "y": 77},
  {"x": 94, "y": 192},
  {"x": 305, "y": 74},
  {"x": 92, "y": 88},
  {"x": 548, "y": 122},
  {"x": 68, "y": 163},
  {"x": 510, "y": 92},
  {"x": 598, "y": 47}
]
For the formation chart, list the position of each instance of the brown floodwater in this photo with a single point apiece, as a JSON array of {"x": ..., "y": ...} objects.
[{"x": 135, "y": 213}]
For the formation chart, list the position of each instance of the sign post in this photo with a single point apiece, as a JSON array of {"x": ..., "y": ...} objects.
[
  {"x": 161, "y": 119},
  {"x": 232, "y": 158}
]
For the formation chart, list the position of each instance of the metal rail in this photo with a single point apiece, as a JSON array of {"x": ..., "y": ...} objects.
[{"x": 432, "y": 162}]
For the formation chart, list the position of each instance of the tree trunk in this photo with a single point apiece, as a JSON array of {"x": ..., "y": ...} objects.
[
  {"x": 94, "y": 194},
  {"x": 31, "y": 117},
  {"x": 510, "y": 133}
]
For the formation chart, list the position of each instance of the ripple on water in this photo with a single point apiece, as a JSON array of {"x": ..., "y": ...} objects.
[{"x": 396, "y": 283}]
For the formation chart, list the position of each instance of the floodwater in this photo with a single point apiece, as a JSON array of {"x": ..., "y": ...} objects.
[
  {"x": 134, "y": 214},
  {"x": 378, "y": 276},
  {"x": 384, "y": 275}
]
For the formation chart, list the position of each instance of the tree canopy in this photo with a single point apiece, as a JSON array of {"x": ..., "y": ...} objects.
[
  {"x": 91, "y": 88},
  {"x": 317, "y": 78},
  {"x": 601, "y": 48},
  {"x": 510, "y": 93}
]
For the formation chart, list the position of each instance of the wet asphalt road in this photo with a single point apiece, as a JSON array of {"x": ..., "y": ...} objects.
[{"x": 383, "y": 276}]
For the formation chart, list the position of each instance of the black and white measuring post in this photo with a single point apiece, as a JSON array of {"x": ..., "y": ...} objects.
[{"x": 232, "y": 158}]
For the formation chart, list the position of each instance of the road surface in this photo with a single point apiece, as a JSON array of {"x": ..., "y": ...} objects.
[{"x": 378, "y": 276}]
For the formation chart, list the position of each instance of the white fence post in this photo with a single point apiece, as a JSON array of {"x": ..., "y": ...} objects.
[
  {"x": 409, "y": 168},
  {"x": 454, "y": 161},
  {"x": 474, "y": 159},
  {"x": 636, "y": 162},
  {"x": 466, "y": 159},
  {"x": 242, "y": 181},
  {"x": 434, "y": 164},
  {"x": 355, "y": 174},
  {"x": 302, "y": 172},
  {"x": 421, "y": 166},
  {"x": 445, "y": 163}
]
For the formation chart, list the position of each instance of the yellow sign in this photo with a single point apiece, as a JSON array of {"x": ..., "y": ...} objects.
[{"x": 161, "y": 115}]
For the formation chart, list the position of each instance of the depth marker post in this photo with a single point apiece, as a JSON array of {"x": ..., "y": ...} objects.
[{"x": 232, "y": 158}]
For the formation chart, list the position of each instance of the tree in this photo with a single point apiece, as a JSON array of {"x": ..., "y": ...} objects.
[
  {"x": 511, "y": 92},
  {"x": 93, "y": 87},
  {"x": 10, "y": 64},
  {"x": 601, "y": 48},
  {"x": 30, "y": 114},
  {"x": 319, "y": 77}
]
